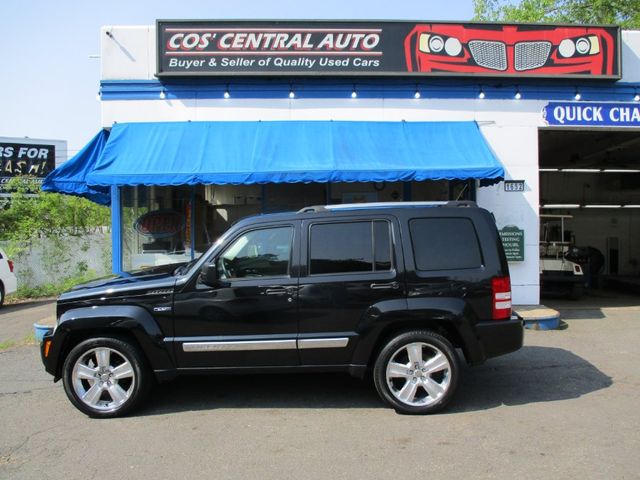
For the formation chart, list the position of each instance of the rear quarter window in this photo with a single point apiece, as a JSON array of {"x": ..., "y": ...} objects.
[{"x": 445, "y": 244}]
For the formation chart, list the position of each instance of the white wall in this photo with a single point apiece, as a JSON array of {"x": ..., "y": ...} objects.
[
  {"x": 128, "y": 52},
  {"x": 51, "y": 261},
  {"x": 630, "y": 56},
  {"x": 510, "y": 127}
]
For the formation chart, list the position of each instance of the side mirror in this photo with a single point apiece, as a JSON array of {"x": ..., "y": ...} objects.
[{"x": 209, "y": 274}]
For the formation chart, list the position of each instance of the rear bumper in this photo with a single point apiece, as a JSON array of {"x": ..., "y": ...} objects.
[
  {"x": 500, "y": 337},
  {"x": 10, "y": 284}
]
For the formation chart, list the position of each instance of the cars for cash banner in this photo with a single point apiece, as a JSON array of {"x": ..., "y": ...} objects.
[
  {"x": 18, "y": 159},
  {"x": 191, "y": 48}
]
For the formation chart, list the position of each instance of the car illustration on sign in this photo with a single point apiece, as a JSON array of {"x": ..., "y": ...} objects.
[{"x": 541, "y": 50}]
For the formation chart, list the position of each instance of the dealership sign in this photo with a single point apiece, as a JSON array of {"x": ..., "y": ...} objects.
[
  {"x": 191, "y": 48},
  {"x": 17, "y": 159},
  {"x": 592, "y": 114}
]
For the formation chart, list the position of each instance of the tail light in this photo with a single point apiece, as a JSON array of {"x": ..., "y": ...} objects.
[
  {"x": 501, "y": 298},
  {"x": 10, "y": 265}
]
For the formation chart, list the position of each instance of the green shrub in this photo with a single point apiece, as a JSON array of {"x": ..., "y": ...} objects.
[{"x": 30, "y": 214}]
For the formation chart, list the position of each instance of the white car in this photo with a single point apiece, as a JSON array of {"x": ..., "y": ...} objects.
[{"x": 8, "y": 282}]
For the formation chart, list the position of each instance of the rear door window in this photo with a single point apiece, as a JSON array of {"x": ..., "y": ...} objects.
[
  {"x": 444, "y": 244},
  {"x": 349, "y": 247}
]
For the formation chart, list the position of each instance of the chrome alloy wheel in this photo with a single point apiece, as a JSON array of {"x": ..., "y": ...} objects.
[
  {"x": 103, "y": 379},
  {"x": 418, "y": 374}
]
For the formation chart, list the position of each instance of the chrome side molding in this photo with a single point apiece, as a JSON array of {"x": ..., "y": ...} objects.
[
  {"x": 323, "y": 343},
  {"x": 246, "y": 346},
  {"x": 240, "y": 346}
]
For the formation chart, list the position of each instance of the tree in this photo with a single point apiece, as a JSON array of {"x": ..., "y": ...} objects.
[
  {"x": 625, "y": 13},
  {"x": 30, "y": 213},
  {"x": 59, "y": 228}
]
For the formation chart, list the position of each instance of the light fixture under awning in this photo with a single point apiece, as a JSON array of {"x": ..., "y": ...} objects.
[{"x": 189, "y": 153}]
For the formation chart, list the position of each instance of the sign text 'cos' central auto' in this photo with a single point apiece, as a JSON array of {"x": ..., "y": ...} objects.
[{"x": 385, "y": 48}]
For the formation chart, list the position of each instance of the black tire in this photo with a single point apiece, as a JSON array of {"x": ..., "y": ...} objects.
[
  {"x": 1, "y": 294},
  {"x": 108, "y": 401},
  {"x": 441, "y": 382}
]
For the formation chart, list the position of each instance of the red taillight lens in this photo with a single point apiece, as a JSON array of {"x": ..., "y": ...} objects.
[
  {"x": 10, "y": 265},
  {"x": 501, "y": 298}
]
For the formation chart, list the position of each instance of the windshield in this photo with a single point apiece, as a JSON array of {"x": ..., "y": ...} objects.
[{"x": 185, "y": 267}]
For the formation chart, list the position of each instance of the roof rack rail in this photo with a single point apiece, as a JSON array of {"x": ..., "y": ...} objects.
[{"x": 359, "y": 206}]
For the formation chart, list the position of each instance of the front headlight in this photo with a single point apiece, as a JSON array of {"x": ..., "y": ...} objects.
[
  {"x": 436, "y": 44},
  {"x": 569, "y": 47},
  {"x": 583, "y": 46},
  {"x": 453, "y": 47},
  {"x": 430, "y": 43}
]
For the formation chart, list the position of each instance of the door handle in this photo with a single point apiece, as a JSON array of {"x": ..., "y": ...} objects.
[
  {"x": 276, "y": 291},
  {"x": 385, "y": 286}
]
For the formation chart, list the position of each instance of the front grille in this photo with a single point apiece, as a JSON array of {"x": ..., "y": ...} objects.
[
  {"x": 487, "y": 54},
  {"x": 530, "y": 55}
]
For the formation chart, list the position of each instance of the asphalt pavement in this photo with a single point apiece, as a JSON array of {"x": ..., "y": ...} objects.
[
  {"x": 565, "y": 406},
  {"x": 16, "y": 320}
]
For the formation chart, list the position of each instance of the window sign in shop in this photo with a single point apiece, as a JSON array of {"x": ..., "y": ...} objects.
[
  {"x": 210, "y": 47},
  {"x": 514, "y": 185},
  {"x": 17, "y": 159},
  {"x": 160, "y": 223},
  {"x": 592, "y": 114},
  {"x": 513, "y": 242}
]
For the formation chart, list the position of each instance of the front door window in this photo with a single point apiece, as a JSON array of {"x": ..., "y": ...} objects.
[{"x": 258, "y": 253}]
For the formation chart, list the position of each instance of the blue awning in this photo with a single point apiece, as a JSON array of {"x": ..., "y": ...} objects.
[
  {"x": 174, "y": 153},
  {"x": 71, "y": 177}
]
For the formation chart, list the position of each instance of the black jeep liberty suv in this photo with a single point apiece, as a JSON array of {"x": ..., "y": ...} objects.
[{"x": 390, "y": 289}]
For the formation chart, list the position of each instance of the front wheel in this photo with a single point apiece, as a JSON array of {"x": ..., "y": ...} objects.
[
  {"x": 105, "y": 377},
  {"x": 417, "y": 372}
]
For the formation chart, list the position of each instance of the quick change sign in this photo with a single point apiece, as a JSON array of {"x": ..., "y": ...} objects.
[
  {"x": 208, "y": 47},
  {"x": 592, "y": 114}
]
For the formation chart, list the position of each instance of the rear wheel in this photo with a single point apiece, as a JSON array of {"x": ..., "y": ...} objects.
[
  {"x": 417, "y": 372},
  {"x": 1, "y": 294},
  {"x": 106, "y": 377}
]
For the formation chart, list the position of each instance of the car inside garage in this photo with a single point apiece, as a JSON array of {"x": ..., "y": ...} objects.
[{"x": 589, "y": 211}]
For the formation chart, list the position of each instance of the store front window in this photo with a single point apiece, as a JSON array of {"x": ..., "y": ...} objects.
[
  {"x": 162, "y": 225},
  {"x": 155, "y": 226}
]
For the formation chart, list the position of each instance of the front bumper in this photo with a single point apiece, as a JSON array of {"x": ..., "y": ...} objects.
[
  {"x": 50, "y": 350},
  {"x": 565, "y": 278}
]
